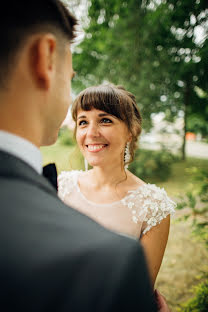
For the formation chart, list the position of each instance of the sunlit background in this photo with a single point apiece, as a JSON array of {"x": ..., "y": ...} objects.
[{"x": 158, "y": 50}]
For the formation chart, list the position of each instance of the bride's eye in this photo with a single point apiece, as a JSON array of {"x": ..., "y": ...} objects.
[
  {"x": 82, "y": 122},
  {"x": 106, "y": 120}
]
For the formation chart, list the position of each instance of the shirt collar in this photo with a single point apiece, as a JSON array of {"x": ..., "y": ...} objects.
[{"x": 21, "y": 148}]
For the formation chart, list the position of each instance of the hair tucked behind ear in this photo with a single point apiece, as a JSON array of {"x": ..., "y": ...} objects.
[{"x": 114, "y": 100}]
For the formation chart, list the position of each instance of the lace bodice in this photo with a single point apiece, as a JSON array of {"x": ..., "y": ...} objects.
[{"x": 146, "y": 206}]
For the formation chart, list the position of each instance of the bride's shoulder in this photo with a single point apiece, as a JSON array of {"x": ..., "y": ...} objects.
[
  {"x": 156, "y": 204},
  {"x": 150, "y": 204},
  {"x": 149, "y": 190},
  {"x": 152, "y": 192}
]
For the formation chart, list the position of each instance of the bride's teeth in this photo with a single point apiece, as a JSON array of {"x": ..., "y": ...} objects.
[{"x": 95, "y": 147}]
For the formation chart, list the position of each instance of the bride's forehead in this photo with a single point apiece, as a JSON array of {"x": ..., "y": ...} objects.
[{"x": 93, "y": 111}]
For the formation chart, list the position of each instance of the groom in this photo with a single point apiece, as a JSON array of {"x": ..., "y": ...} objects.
[{"x": 52, "y": 258}]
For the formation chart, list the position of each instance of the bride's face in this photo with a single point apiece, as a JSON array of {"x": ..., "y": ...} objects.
[{"x": 101, "y": 137}]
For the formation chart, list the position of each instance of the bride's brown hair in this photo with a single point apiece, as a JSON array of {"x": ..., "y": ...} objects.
[{"x": 114, "y": 100}]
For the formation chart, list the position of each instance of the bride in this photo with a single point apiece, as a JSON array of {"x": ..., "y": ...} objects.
[{"x": 108, "y": 124}]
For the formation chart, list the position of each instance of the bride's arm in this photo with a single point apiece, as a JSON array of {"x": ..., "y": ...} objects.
[{"x": 154, "y": 243}]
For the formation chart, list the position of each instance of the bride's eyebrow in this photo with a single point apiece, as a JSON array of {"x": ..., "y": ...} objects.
[
  {"x": 103, "y": 114},
  {"x": 99, "y": 115},
  {"x": 80, "y": 117},
  {"x": 106, "y": 114}
]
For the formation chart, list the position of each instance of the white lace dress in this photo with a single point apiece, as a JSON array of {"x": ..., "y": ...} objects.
[{"x": 134, "y": 215}]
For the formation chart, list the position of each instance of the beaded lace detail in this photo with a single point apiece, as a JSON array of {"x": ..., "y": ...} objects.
[
  {"x": 155, "y": 204},
  {"x": 148, "y": 204},
  {"x": 66, "y": 182}
]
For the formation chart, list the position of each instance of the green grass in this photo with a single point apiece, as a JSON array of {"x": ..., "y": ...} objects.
[{"x": 181, "y": 179}]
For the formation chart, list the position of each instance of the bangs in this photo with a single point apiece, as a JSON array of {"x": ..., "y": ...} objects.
[
  {"x": 104, "y": 98},
  {"x": 113, "y": 100}
]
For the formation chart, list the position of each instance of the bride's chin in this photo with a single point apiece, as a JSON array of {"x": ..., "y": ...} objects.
[{"x": 96, "y": 161}]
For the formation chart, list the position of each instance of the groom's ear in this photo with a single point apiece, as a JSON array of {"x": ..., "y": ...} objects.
[{"x": 44, "y": 55}]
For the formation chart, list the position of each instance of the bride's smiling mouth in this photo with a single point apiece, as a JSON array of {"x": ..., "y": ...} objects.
[{"x": 95, "y": 147}]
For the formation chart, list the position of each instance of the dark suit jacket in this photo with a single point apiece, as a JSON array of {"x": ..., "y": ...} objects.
[{"x": 53, "y": 258}]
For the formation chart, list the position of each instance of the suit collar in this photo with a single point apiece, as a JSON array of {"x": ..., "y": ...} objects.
[
  {"x": 15, "y": 168},
  {"x": 22, "y": 149}
]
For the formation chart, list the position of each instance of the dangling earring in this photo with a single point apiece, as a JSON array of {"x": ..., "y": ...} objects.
[
  {"x": 86, "y": 164},
  {"x": 127, "y": 155}
]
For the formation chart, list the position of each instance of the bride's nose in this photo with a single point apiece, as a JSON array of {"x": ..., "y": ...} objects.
[{"x": 93, "y": 130}]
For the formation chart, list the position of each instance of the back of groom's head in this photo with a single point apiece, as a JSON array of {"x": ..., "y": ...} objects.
[{"x": 20, "y": 19}]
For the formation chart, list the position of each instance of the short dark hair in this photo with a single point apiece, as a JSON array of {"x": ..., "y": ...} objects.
[
  {"x": 22, "y": 18},
  {"x": 114, "y": 100}
]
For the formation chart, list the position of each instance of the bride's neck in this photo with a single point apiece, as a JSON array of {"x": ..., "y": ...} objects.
[{"x": 107, "y": 176}]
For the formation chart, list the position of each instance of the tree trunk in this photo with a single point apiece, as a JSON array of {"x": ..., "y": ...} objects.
[{"x": 186, "y": 102}]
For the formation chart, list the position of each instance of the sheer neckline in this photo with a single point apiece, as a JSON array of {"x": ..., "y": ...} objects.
[{"x": 138, "y": 189}]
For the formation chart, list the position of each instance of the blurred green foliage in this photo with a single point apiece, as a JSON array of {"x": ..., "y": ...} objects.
[
  {"x": 200, "y": 301},
  {"x": 66, "y": 136},
  {"x": 198, "y": 212},
  {"x": 203, "y": 192},
  {"x": 152, "y": 165},
  {"x": 151, "y": 48},
  {"x": 197, "y": 202}
]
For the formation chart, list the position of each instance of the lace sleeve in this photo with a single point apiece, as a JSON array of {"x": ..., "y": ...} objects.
[
  {"x": 158, "y": 206},
  {"x": 66, "y": 182}
]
